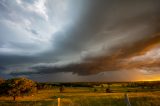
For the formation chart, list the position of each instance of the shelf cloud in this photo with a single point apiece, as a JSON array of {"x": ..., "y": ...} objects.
[{"x": 83, "y": 38}]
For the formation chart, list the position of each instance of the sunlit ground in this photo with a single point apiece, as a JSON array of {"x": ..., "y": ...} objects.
[{"x": 86, "y": 96}]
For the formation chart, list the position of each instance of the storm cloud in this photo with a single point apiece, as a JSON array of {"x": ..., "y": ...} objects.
[{"x": 84, "y": 38}]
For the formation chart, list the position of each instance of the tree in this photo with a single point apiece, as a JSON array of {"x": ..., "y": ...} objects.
[
  {"x": 1, "y": 81},
  {"x": 61, "y": 89},
  {"x": 18, "y": 87},
  {"x": 95, "y": 90},
  {"x": 108, "y": 89}
]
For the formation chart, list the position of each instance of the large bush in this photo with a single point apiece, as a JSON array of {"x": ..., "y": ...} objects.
[{"x": 17, "y": 87}]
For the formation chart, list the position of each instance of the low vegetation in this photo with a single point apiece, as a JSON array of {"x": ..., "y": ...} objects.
[{"x": 87, "y": 94}]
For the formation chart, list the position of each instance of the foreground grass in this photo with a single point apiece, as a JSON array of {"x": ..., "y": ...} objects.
[{"x": 84, "y": 97}]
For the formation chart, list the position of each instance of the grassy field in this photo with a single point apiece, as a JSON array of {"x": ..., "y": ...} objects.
[{"x": 86, "y": 96}]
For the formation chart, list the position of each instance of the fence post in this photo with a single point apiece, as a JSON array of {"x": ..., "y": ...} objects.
[
  {"x": 58, "y": 101},
  {"x": 127, "y": 100}
]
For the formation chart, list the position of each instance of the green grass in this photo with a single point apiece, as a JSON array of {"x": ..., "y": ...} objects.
[{"x": 87, "y": 97}]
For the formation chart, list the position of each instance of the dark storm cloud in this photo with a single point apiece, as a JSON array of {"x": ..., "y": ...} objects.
[
  {"x": 9, "y": 60},
  {"x": 2, "y": 68},
  {"x": 133, "y": 23},
  {"x": 13, "y": 59},
  {"x": 113, "y": 62},
  {"x": 112, "y": 18},
  {"x": 103, "y": 36}
]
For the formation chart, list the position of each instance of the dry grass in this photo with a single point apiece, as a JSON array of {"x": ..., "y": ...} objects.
[{"x": 83, "y": 97}]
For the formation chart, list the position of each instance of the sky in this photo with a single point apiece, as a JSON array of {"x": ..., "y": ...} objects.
[{"x": 80, "y": 40}]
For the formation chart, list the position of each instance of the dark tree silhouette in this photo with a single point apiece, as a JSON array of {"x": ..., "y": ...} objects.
[{"x": 61, "y": 89}]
